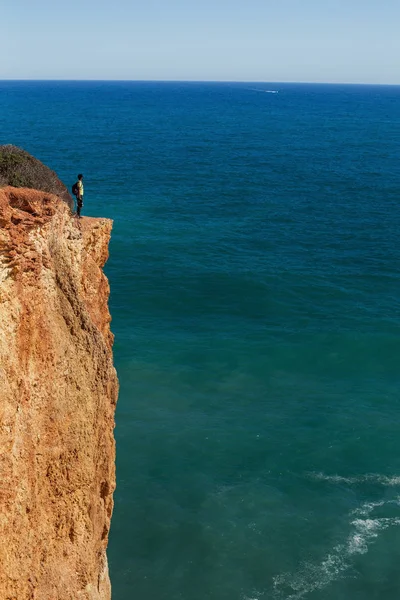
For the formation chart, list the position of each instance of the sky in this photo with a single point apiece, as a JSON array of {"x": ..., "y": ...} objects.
[{"x": 338, "y": 41}]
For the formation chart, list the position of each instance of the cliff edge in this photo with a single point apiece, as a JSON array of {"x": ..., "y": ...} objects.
[{"x": 58, "y": 390}]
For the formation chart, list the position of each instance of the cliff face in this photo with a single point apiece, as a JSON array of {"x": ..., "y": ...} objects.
[{"x": 58, "y": 390}]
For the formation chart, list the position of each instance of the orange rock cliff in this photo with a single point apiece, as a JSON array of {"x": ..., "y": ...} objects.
[{"x": 58, "y": 390}]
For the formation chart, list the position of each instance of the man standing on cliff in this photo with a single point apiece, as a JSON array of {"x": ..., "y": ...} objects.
[{"x": 79, "y": 195}]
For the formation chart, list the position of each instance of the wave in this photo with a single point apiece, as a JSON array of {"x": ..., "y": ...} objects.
[
  {"x": 368, "y": 478},
  {"x": 311, "y": 577}
]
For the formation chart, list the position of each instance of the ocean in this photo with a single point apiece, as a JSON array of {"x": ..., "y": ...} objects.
[{"x": 255, "y": 287}]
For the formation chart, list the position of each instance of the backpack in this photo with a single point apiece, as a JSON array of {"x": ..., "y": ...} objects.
[{"x": 75, "y": 189}]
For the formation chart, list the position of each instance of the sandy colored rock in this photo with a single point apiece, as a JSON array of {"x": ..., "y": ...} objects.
[{"x": 58, "y": 390}]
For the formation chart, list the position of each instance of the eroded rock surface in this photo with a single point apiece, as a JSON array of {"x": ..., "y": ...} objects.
[{"x": 58, "y": 390}]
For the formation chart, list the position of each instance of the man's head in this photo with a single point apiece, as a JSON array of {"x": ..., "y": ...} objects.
[{"x": 80, "y": 176}]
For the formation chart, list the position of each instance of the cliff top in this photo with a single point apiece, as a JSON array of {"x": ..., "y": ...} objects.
[{"x": 19, "y": 169}]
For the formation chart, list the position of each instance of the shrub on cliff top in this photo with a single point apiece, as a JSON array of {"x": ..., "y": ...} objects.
[{"x": 20, "y": 169}]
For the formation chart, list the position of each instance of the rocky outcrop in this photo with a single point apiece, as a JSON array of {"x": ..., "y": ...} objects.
[
  {"x": 20, "y": 169},
  {"x": 58, "y": 390}
]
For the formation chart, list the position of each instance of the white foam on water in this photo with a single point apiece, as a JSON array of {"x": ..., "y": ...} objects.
[
  {"x": 367, "y": 530},
  {"x": 255, "y": 596},
  {"x": 293, "y": 586},
  {"x": 368, "y": 478},
  {"x": 366, "y": 509},
  {"x": 310, "y": 577}
]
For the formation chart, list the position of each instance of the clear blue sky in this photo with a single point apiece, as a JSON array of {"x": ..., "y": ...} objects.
[{"x": 228, "y": 40}]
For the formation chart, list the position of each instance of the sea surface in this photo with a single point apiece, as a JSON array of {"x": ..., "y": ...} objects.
[{"x": 255, "y": 277}]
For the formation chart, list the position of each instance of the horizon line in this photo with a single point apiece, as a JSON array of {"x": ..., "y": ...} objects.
[{"x": 199, "y": 81}]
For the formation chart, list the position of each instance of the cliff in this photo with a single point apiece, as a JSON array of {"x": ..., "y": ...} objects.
[{"x": 58, "y": 390}]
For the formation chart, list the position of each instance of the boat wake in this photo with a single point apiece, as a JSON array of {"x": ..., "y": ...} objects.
[{"x": 264, "y": 91}]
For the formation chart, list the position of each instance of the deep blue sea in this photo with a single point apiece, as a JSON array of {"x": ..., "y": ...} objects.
[{"x": 255, "y": 295}]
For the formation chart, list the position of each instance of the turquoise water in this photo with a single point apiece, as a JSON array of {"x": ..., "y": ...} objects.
[{"x": 255, "y": 297}]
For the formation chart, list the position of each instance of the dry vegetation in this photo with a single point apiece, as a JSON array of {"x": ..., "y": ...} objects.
[{"x": 20, "y": 169}]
